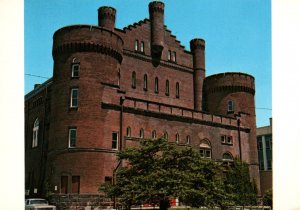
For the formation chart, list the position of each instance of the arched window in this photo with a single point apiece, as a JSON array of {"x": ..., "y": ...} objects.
[
  {"x": 167, "y": 88},
  {"x": 205, "y": 149},
  {"x": 133, "y": 80},
  {"x": 136, "y": 45},
  {"x": 156, "y": 85},
  {"x": 128, "y": 132},
  {"x": 177, "y": 90},
  {"x": 145, "y": 82},
  {"x": 230, "y": 106},
  {"x": 142, "y": 47},
  {"x": 227, "y": 157},
  {"x": 166, "y": 136},
  {"x": 177, "y": 138},
  {"x": 141, "y": 133},
  {"x": 35, "y": 133},
  {"x": 75, "y": 67},
  {"x": 188, "y": 139},
  {"x": 154, "y": 134}
]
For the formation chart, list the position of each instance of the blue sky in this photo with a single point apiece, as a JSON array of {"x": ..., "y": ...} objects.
[{"x": 237, "y": 35}]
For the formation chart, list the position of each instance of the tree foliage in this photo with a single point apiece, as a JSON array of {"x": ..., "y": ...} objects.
[
  {"x": 268, "y": 198},
  {"x": 156, "y": 171},
  {"x": 243, "y": 189}
]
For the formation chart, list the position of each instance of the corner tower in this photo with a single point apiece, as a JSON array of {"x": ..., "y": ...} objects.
[
  {"x": 232, "y": 94},
  {"x": 156, "y": 13},
  {"x": 198, "y": 52},
  {"x": 86, "y": 60}
]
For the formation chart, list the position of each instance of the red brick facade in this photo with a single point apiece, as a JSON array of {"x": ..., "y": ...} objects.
[{"x": 169, "y": 94}]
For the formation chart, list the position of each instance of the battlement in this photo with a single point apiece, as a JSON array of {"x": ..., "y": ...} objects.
[
  {"x": 87, "y": 38},
  {"x": 178, "y": 113},
  {"x": 107, "y": 17},
  {"x": 156, "y": 6},
  {"x": 197, "y": 44},
  {"x": 233, "y": 81},
  {"x": 107, "y": 12}
]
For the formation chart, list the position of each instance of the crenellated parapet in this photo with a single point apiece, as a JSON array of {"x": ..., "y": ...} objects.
[
  {"x": 107, "y": 17},
  {"x": 86, "y": 38},
  {"x": 156, "y": 6},
  {"x": 197, "y": 44},
  {"x": 231, "y": 81}
]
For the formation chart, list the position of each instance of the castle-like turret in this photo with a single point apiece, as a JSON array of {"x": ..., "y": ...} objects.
[
  {"x": 156, "y": 12},
  {"x": 232, "y": 94},
  {"x": 198, "y": 51},
  {"x": 107, "y": 17}
]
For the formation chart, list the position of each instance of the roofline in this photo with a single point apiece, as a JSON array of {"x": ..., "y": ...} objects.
[{"x": 38, "y": 89}]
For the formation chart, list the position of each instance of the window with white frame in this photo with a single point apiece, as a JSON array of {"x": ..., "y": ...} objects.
[
  {"x": 74, "y": 98},
  {"x": 75, "y": 68},
  {"x": 166, "y": 136},
  {"x": 154, "y": 134},
  {"x": 115, "y": 139},
  {"x": 142, "y": 47},
  {"x": 141, "y": 133},
  {"x": 177, "y": 138},
  {"x": 174, "y": 56},
  {"x": 230, "y": 106},
  {"x": 35, "y": 133},
  {"x": 169, "y": 55},
  {"x": 188, "y": 140},
  {"x": 128, "y": 132},
  {"x": 72, "y": 137},
  {"x": 205, "y": 149},
  {"x": 136, "y": 45}
]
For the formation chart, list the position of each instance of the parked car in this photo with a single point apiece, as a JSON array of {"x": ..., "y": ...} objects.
[{"x": 38, "y": 203}]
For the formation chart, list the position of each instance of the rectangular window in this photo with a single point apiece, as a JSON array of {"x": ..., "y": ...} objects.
[
  {"x": 269, "y": 164},
  {"x": 74, "y": 98},
  {"x": 261, "y": 165},
  {"x": 259, "y": 143},
  {"x": 268, "y": 142},
  {"x": 75, "y": 70},
  {"x": 174, "y": 57},
  {"x": 72, "y": 137},
  {"x": 207, "y": 153},
  {"x": 75, "y": 184},
  {"x": 201, "y": 153},
  {"x": 108, "y": 179},
  {"x": 136, "y": 45},
  {"x": 115, "y": 139},
  {"x": 229, "y": 139},
  {"x": 223, "y": 139},
  {"x": 64, "y": 185},
  {"x": 169, "y": 55},
  {"x": 142, "y": 46}
]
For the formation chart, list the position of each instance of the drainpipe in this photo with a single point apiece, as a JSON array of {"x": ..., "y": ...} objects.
[
  {"x": 239, "y": 137},
  {"x": 122, "y": 99}
]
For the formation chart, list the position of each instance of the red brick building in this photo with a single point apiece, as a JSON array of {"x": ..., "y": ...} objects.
[{"x": 111, "y": 87}]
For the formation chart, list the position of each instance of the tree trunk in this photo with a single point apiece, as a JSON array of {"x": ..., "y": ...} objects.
[{"x": 164, "y": 204}]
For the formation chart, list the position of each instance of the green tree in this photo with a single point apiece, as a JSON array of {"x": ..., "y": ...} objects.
[
  {"x": 268, "y": 198},
  {"x": 157, "y": 171},
  {"x": 243, "y": 190}
]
